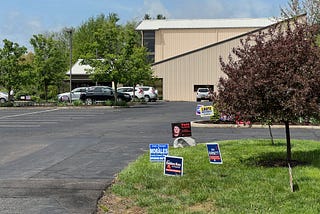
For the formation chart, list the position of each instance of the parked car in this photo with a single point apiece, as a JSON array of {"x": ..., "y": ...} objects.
[
  {"x": 150, "y": 93},
  {"x": 75, "y": 93},
  {"x": 102, "y": 93},
  {"x": 3, "y": 97},
  {"x": 204, "y": 94},
  {"x": 139, "y": 93}
]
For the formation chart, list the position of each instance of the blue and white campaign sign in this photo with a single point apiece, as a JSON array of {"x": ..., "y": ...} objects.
[
  {"x": 214, "y": 153},
  {"x": 158, "y": 152},
  {"x": 173, "y": 166},
  {"x": 206, "y": 111},
  {"x": 198, "y": 109}
]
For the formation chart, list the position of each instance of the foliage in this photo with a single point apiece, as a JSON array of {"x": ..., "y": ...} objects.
[
  {"x": 216, "y": 114},
  {"x": 298, "y": 7},
  {"x": 84, "y": 38},
  {"x": 232, "y": 187},
  {"x": 12, "y": 66},
  {"x": 115, "y": 103},
  {"x": 120, "y": 57},
  {"x": 77, "y": 103},
  {"x": 109, "y": 103},
  {"x": 49, "y": 62},
  {"x": 274, "y": 76},
  {"x": 148, "y": 17}
]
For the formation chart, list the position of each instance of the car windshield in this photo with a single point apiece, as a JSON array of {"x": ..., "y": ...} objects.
[{"x": 203, "y": 90}]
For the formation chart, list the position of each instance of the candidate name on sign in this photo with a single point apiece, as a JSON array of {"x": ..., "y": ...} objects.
[
  {"x": 158, "y": 152},
  {"x": 173, "y": 166},
  {"x": 206, "y": 111},
  {"x": 214, "y": 153}
]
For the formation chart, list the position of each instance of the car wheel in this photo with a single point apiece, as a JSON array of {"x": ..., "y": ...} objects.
[
  {"x": 119, "y": 99},
  {"x": 89, "y": 101},
  {"x": 198, "y": 100},
  {"x": 147, "y": 98},
  {"x": 2, "y": 100},
  {"x": 65, "y": 99}
]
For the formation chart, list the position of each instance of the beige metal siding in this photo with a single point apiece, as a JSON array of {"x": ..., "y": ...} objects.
[
  {"x": 198, "y": 68},
  {"x": 173, "y": 42}
]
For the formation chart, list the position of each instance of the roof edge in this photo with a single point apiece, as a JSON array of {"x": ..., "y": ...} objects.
[{"x": 227, "y": 40}]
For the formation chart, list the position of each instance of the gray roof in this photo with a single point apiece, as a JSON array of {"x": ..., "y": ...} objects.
[
  {"x": 79, "y": 69},
  {"x": 156, "y": 24}
]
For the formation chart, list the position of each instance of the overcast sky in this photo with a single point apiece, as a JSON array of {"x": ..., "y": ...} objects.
[{"x": 20, "y": 19}]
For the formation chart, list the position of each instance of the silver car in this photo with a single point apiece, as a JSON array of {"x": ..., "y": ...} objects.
[
  {"x": 3, "y": 97},
  {"x": 139, "y": 93},
  {"x": 75, "y": 94},
  {"x": 150, "y": 93},
  {"x": 204, "y": 94}
]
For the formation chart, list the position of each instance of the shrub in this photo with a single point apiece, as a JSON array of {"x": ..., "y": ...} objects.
[{"x": 77, "y": 103}]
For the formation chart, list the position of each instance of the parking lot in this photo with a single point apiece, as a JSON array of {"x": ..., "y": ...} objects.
[{"x": 59, "y": 160}]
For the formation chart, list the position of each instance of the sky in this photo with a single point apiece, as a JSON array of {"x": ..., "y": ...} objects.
[{"x": 21, "y": 19}]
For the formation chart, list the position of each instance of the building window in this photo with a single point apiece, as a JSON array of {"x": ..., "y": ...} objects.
[{"x": 149, "y": 43}]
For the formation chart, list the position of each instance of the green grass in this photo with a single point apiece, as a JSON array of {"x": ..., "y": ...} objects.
[{"x": 242, "y": 184}]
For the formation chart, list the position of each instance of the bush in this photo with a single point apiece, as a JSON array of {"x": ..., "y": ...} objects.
[
  {"x": 6, "y": 104},
  {"x": 77, "y": 103},
  {"x": 121, "y": 103},
  {"x": 108, "y": 103}
]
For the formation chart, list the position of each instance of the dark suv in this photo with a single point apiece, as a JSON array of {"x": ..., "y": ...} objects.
[{"x": 102, "y": 93}]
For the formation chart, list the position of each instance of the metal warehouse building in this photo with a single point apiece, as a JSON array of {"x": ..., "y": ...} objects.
[{"x": 186, "y": 52}]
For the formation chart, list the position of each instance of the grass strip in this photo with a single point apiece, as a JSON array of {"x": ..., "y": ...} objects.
[{"x": 252, "y": 179}]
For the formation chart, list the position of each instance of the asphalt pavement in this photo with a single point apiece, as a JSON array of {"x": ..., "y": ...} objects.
[{"x": 59, "y": 160}]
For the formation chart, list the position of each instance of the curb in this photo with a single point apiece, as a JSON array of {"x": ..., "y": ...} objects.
[{"x": 198, "y": 124}]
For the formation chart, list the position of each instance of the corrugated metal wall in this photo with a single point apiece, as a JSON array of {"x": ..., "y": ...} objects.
[
  {"x": 202, "y": 67},
  {"x": 173, "y": 42}
]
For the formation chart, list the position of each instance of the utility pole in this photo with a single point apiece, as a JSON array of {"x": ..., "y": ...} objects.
[{"x": 70, "y": 31}]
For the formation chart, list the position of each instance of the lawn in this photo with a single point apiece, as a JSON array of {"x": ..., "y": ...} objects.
[{"x": 252, "y": 179}]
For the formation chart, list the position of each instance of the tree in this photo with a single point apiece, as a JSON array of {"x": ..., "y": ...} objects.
[
  {"x": 122, "y": 59},
  {"x": 50, "y": 62},
  {"x": 148, "y": 17},
  {"x": 85, "y": 44},
  {"x": 109, "y": 65},
  {"x": 12, "y": 66},
  {"x": 297, "y": 7},
  {"x": 274, "y": 75},
  {"x": 137, "y": 67},
  {"x": 160, "y": 16}
]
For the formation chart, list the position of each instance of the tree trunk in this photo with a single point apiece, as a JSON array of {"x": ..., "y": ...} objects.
[
  {"x": 286, "y": 123},
  {"x": 46, "y": 92},
  {"x": 270, "y": 131},
  {"x": 9, "y": 95}
]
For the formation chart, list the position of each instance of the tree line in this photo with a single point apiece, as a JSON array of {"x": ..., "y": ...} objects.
[{"x": 114, "y": 50}]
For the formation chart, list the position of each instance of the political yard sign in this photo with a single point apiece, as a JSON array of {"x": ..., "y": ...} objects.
[
  {"x": 198, "y": 109},
  {"x": 206, "y": 111},
  {"x": 158, "y": 152},
  {"x": 173, "y": 166},
  {"x": 181, "y": 129},
  {"x": 214, "y": 153}
]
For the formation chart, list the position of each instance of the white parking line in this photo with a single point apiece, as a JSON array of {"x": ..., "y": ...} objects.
[
  {"x": 29, "y": 113},
  {"x": 19, "y": 126}
]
